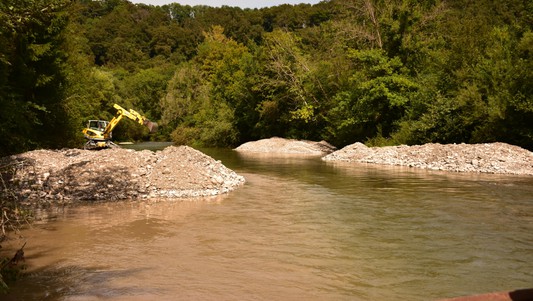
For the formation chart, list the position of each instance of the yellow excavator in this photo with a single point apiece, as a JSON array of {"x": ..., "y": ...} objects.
[{"x": 99, "y": 132}]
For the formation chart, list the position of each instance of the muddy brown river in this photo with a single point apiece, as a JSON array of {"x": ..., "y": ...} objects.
[{"x": 299, "y": 229}]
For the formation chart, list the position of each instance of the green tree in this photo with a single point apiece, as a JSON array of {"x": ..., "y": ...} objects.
[
  {"x": 32, "y": 75},
  {"x": 79, "y": 74},
  {"x": 290, "y": 90},
  {"x": 502, "y": 75},
  {"x": 145, "y": 89},
  {"x": 378, "y": 99},
  {"x": 191, "y": 115},
  {"x": 185, "y": 93},
  {"x": 224, "y": 64},
  {"x": 471, "y": 75}
]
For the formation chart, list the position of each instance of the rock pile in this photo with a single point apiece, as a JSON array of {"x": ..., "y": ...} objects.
[
  {"x": 498, "y": 158},
  {"x": 277, "y": 145},
  {"x": 66, "y": 175}
]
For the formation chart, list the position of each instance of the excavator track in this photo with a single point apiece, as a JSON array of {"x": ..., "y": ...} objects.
[{"x": 98, "y": 145}]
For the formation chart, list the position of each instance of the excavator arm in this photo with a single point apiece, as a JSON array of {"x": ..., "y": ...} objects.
[{"x": 131, "y": 114}]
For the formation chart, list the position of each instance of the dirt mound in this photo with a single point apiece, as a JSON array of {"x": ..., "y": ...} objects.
[
  {"x": 277, "y": 145},
  {"x": 500, "y": 158},
  {"x": 112, "y": 174}
]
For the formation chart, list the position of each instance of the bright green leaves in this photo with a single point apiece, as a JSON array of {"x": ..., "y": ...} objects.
[
  {"x": 381, "y": 80},
  {"x": 377, "y": 99},
  {"x": 187, "y": 92},
  {"x": 204, "y": 95},
  {"x": 305, "y": 113},
  {"x": 224, "y": 63},
  {"x": 145, "y": 88},
  {"x": 289, "y": 72}
]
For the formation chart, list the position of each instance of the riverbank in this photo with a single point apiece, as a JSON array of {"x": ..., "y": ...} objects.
[
  {"x": 64, "y": 176},
  {"x": 496, "y": 158}
]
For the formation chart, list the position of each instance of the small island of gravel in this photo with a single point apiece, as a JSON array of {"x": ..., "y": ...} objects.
[
  {"x": 64, "y": 176},
  {"x": 278, "y": 145}
]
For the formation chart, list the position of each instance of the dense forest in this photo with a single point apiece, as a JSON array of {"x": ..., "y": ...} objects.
[{"x": 381, "y": 72}]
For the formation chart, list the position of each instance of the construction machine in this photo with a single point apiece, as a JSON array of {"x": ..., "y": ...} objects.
[{"x": 99, "y": 132}]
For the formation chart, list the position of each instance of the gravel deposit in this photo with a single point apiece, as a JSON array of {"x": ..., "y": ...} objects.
[
  {"x": 277, "y": 145},
  {"x": 63, "y": 176},
  {"x": 496, "y": 158}
]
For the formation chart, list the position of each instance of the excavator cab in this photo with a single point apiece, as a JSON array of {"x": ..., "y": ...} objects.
[{"x": 97, "y": 125}]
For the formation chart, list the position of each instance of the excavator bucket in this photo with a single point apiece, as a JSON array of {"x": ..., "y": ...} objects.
[{"x": 152, "y": 126}]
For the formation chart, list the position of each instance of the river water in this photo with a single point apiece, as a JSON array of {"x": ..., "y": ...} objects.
[{"x": 299, "y": 229}]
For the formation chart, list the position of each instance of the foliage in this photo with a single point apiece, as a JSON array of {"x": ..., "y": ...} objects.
[
  {"x": 343, "y": 71},
  {"x": 379, "y": 96},
  {"x": 32, "y": 75}
]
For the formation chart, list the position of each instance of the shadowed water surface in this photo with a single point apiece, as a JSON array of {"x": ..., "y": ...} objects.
[{"x": 299, "y": 229}]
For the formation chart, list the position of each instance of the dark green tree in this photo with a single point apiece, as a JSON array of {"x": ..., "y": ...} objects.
[{"x": 32, "y": 76}]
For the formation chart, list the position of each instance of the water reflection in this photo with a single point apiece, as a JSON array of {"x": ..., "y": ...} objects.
[{"x": 300, "y": 228}]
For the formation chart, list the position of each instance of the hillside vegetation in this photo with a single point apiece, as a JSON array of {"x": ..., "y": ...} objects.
[{"x": 375, "y": 71}]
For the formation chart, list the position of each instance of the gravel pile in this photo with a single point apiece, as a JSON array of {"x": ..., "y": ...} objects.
[
  {"x": 277, "y": 145},
  {"x": 497, "y": 158},
  {"x": 67, "y": 175}
]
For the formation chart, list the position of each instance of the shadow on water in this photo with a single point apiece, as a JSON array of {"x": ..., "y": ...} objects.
[{"x": 59, "y": 283}]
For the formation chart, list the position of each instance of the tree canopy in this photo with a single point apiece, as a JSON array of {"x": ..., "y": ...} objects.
[{"x": 380, "y": 72}]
